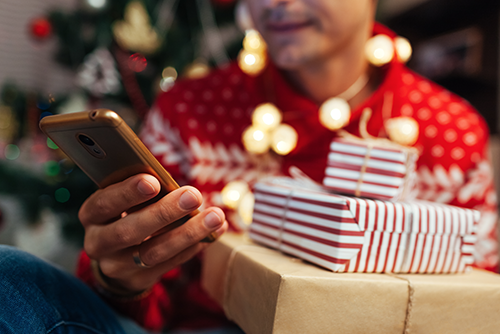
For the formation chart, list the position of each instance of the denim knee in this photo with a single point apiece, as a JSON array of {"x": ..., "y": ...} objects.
[{"x": 37, "y": 297}]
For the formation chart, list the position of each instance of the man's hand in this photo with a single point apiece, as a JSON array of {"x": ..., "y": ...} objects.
[{"x": 112, "y": 237}]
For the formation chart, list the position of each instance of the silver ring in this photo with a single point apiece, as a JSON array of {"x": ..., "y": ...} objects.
[{"x": 137, "y": 259}]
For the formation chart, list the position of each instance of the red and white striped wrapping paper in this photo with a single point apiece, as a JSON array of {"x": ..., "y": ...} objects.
[
  {"x": 346, "y": 234},
  {"x": 359, "y": 168}
]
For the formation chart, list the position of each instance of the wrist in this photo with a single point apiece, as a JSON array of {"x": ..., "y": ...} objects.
[{"x": 107, "y": 289}]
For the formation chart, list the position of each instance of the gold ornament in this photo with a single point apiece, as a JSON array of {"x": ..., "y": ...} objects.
[
  {"x": 284, "y": 139},
  {"x": 266, "y": 116},
  {"x": 168, "y": 77},
  {"x": 402, "y": 130},
  {"x": 334, "y": 113},
  {"x": 135, "y": 32},
  {"x": 8, "y": 124},
  {"x": 233, "y": 193},
  {"x": 403, "y": 48},
  {"x": 198, "y": 69},
  {"x": 379, "y": 50},
  {"x": 252, "y": 59}
]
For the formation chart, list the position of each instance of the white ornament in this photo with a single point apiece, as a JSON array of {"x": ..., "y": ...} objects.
[{"x": 98, "y": 73}]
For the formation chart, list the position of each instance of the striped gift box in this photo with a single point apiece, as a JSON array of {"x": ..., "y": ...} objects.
[
  {"x": 346, "y": 234},
  {"x": 356, "y": 167}
]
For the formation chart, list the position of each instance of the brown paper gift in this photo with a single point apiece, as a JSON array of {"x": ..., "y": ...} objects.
[{"x": 264, "y": 291}]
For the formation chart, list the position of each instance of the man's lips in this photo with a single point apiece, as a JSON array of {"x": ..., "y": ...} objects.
[{"x": 287, "y": 26}]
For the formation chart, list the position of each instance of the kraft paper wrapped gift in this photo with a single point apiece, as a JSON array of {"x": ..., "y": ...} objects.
[
  {"x": 373, "y": 168},
  {"x": 348, "y": 234},
  {"x": 265, "y": 291}
]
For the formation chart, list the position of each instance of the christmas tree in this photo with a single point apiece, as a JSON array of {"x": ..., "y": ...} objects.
[{"x": 122, "y": 54}]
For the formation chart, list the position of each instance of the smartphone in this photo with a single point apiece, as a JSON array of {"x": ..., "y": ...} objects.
[{"x": 108, "y": 151}]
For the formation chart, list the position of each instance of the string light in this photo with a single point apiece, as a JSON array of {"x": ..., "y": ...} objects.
[
  {"x": 169, "y": 72},
  {"x": 402, "y": 130},
  {"x": 334, "y": 113},
  {"x": 256, "y": 139},
  {"x": 403, "y": 48},
  {"x": 252, "y": 59},
  {"x": 96, "y": 3},
  {"x": 379, "y": 50},
  {"x": 12, "y": 152},
  {"x": 196, "y": 70},
  {"x": 245, "y": 208},
  {"x": 62, "y": 195},
  {"x": 267, "y": 132},
  {"x": 266, "y": 116},
  {"x": 233, "y": 193},
  {"x": 52, "y": 168},
  {"x": 284, "y": 139}
]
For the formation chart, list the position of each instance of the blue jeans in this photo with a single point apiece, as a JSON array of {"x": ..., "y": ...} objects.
[{"x": 36, "y": 297}]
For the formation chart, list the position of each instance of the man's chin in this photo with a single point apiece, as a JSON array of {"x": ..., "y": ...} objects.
[{"x": 289, "y": 60}]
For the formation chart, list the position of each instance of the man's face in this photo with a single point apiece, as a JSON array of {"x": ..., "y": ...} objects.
[{"x": 302, "y": 32}]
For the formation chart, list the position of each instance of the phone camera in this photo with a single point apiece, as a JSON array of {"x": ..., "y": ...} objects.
[{"x": 86, "y": 140}]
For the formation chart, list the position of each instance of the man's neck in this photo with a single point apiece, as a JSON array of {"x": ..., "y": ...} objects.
[{"x": 325, "y": 79}]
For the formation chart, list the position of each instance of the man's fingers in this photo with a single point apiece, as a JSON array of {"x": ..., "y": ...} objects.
[
  {"x": 164, "y": 246},
  {"x": 135, "y": 227},
  {"x": 109, "y": 203}
]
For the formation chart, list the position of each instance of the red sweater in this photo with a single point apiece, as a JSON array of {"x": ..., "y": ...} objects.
[{"x": 195, "y": 131}]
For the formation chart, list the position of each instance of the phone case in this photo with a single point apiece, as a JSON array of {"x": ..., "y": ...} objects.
[{"x": 107, "y": 150}]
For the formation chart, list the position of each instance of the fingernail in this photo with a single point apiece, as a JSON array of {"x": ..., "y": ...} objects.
[
  {"x": 212, "y": 220},
  {"x": 146, "y": 188},
  {"x": 188, "y": 200}
]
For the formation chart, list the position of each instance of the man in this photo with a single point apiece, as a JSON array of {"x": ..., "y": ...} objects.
[{"x": 195, "y": 130}]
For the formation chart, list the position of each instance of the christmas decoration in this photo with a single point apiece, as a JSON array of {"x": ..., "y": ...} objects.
[
  {"x": 379, "y": 50},
  {"x": 98, "y": 74},
  {"x": 303, "y": 222},
  {"x": 196, "y": 70},
  {"x": 96, "y": 4},
  {"x": 135, "y": 33},
  {"x": 137, "y": 62},
  {"x": 40, "y": 28},
  {"x": 253, "y": 57},
  {"x": 8, "y": 125},
  {"x": 108, "y": 44},
  {"x": 402, "y": 130},
  {"x": 233, "y": 193},
  {"x": 335, "y": 113},
  {"x": 267, "y": 132},
  {"x": 403, "y": 49},
  {"x": 237, "y": 195}
]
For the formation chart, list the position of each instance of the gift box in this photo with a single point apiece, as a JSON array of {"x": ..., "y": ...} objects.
[
  {"x": 265, "y": 291},
  {"x": 367, "y": 168},
  {"x": 347, "y": 234}
]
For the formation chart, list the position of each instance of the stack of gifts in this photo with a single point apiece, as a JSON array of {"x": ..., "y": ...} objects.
[
  {"x": 360, "y": 222},
  {"x": 362, "y": 219}
]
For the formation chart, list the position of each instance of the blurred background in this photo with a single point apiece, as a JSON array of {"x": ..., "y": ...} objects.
[{"x": 60, "y": 55}]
